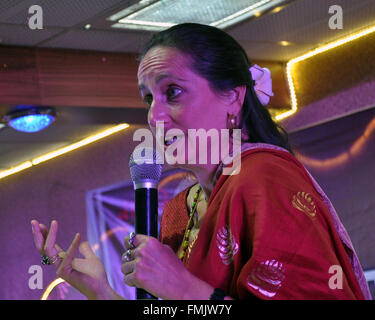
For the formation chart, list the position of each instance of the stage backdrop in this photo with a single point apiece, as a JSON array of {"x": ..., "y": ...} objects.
[
  {"x": 110, "y": 217},
  {"x": 340, "y": 154}
]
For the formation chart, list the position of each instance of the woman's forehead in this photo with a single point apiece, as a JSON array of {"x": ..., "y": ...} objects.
[{"x": 162, "y": 60}]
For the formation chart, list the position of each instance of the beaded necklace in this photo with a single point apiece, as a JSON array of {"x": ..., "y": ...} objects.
[{"x": 190, "y": 224}]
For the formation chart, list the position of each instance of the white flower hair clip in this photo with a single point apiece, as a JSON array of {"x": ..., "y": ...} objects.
[{"x": 263, "y": 83}]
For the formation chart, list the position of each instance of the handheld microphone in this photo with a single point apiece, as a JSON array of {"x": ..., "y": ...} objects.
[{"x": 145, "y": 173}]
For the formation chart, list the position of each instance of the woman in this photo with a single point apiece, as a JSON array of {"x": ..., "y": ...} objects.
[{"x": 267, "y": 232}]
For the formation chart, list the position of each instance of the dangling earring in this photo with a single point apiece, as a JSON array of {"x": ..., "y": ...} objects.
[{"x": 231, "y": 123}]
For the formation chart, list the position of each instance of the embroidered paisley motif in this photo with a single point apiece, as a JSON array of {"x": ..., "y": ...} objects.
[
  {"x": 303, "y": 202},
  {"x": 267, "y": 277},
  {"x": 227, "y": 245}
]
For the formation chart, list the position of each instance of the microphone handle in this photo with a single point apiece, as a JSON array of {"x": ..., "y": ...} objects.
[{"x": 146, "y": 222}]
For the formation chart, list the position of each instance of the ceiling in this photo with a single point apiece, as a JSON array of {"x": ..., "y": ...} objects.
[{"x": 303, "y": 23}]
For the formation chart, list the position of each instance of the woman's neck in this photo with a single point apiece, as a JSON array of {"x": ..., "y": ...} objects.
[{"x": 205, "y": 176}]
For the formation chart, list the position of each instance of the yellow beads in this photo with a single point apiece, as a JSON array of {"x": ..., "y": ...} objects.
[{"x": 190, "y": 224}]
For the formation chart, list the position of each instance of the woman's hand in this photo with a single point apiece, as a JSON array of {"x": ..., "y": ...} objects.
[
  {"x": 155, "y": 268},
  {"x": 86, "y": 275}
]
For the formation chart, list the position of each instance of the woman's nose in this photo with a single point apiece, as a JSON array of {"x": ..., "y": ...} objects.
[{"x": 157, "y": 112}]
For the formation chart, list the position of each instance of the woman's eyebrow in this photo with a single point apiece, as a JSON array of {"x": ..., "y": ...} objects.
[{"x": 158, "y": 79}]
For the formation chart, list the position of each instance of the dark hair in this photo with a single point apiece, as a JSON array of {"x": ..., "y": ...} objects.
[{"x": 220, "y": 59}]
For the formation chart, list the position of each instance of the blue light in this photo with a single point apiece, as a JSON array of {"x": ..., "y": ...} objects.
[{"x": 31, "y": 123}]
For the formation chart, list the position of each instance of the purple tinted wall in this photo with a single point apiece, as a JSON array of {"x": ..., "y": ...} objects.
[
  {"x": 53, "y": 190},
  {"x": 341, "y": 156}
]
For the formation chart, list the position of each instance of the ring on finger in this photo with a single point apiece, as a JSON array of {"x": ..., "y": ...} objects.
[
  {"x": 46, "y": 260},
  {"x": 131, "y": 240},
  {"x": 127, "y": 256}
]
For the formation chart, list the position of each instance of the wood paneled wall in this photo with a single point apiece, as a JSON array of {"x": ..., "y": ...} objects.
[
  {"x": 58, "y": 77},
  {"x": 68, "y": 78}
]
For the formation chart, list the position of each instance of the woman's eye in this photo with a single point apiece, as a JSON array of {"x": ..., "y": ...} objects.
[
  {"x": 148, "y": 99},
  {"x": 173, "y": 92}
]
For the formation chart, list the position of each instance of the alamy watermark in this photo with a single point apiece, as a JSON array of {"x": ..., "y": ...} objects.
[
  {"x": 335, "y": 281},
  {"x": 174, "y": 147},
  {"x": 336, "y": 20},
  {"x": 35, "y": 21},
  {"x": 36, "y": 280}
]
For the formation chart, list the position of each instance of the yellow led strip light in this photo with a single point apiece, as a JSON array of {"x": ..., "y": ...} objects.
[
  {"x": 16, "y": 169},
  {"x": 51, "y": 286},
  {"x": 63, "y": 150},
  {"x": 310, "y": 54}
]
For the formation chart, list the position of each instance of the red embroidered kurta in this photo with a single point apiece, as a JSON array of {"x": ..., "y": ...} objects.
[{"x": 267, "y": 233}]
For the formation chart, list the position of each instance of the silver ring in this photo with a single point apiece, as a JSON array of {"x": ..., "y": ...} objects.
[
  {"x": 131, "y": 240},
  {"x": 127, "y": 256},
  {"x": 46, "y": 260}
]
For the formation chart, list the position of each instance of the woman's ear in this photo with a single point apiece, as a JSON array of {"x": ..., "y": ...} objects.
[{"x": 235, "y": 100}]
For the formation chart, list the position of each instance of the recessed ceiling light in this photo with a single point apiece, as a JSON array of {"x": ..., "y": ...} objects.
[
  {"x": 277, "y": 9},
  {"x": 156, "y": 15},
  {"x": 30, "y": 118},
  {"x": 87, "y": 26},
  {"x": 285, "y": 43}
]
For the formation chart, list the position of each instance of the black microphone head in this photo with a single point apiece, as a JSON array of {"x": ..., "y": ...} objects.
[{"x": 145, "y": 167}]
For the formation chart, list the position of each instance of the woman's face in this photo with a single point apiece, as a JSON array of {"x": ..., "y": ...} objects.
[{"x": 177, "y": 96}]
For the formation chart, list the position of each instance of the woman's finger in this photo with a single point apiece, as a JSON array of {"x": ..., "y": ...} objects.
[
  {"x": 58, "y": 248},
  {"x": 130, "y": 280},
  {"x": 62, "y": 255},
  {"x": 132, "y": 240},
  {"x": 128, "y": 267},
  {"x": 38, "y": 236},
  {"x": 127, "y": 256},
  {"x": 43, "y": 230},
  {"x": 72, "y": 251},
  {"x": 86, "y": 250},
  {"x": 82, "y": 266},
  {"x": 51, "y": 239},
  {"x": 69, "y": 255}
]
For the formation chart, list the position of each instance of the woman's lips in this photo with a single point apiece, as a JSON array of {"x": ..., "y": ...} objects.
[{"x": 168, "y": 141}]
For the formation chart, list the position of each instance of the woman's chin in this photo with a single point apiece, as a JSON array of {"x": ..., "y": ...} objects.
[
  {"x": 176, "y": 162},
  {"x": 184, "y": 163}
]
